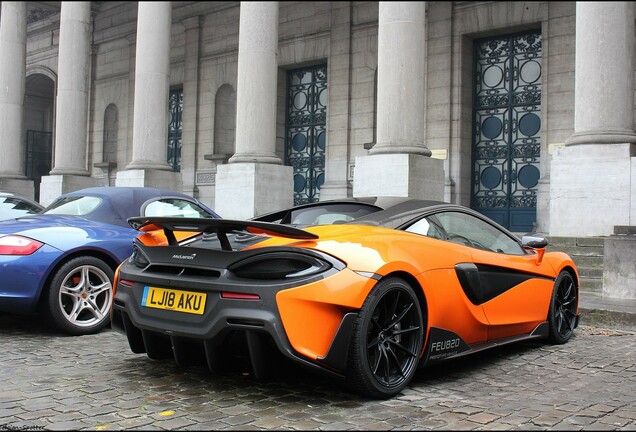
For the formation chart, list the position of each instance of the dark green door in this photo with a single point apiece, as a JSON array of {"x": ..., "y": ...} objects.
[
  {"x": 305, "y": 130},
  {"x": 507, "y": 129},
  {"x": 175, "y": 128},
  {"x": 39, "y": 157}
]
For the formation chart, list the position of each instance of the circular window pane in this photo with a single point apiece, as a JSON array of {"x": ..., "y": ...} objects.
[
  {"x": 321, "y": 140},
  {"x": 320, "y": 180},
  {"x": 322, "y": 97},
  {"x": 493, "y": 76},
  {"x": 299, "y": 183},
  {"x": 491, "y": 127},
  {"x": 300, "y": 101},
  {"x": 530, "y": 124},
  {"x": 299, "y": 142},
  {"x": 528, "y": 176},
  {"x": 530, "y": 71},
  {"x": 490, "y": 177}
]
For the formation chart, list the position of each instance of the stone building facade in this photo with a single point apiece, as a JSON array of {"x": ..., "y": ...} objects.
[{"x": 522, "y": 110}]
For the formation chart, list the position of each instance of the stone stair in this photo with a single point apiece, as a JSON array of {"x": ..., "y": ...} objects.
[{"x": 587, "y": 254}]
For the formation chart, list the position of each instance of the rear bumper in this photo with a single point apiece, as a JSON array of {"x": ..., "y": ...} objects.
[
  {"x": 22, "y": 279},
  {"x": 257, "y": 324}
]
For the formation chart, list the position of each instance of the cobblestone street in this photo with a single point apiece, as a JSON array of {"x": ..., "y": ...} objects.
[{"x": 55, "y": 382}]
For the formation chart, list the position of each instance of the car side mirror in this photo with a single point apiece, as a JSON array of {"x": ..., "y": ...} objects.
[{"x": 536, "y": 243}]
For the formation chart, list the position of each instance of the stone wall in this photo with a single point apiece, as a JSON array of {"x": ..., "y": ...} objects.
[{"x": 343, "y": 35}]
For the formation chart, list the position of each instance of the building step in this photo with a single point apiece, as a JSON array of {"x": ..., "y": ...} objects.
[
  {"x": 591, "y": 286},
  {"x": 590, "y": 272},
  {"x": 578, "y": 251},
  {"x": 587, "y": 253},
  {"x": 585, "y": 261},
  {"x": 576, "y": 241}
]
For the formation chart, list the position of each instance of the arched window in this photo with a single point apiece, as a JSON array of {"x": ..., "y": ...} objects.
[
  {"x": 225, "y": 121},
  {"x": 39, "y": 104},
  {"x": 111, "y": 126}
]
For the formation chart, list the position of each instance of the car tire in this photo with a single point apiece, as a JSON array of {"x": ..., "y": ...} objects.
[
  {"x": 563, "y": 307},
  {"x": 79, "y": 297},
  {"x": 386, "y": 341}
]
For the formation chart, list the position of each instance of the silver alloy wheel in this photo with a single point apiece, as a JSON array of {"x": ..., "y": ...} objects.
[{"x": 85, "y": 296}]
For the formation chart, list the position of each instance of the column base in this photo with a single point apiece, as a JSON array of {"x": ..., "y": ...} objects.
[
  {"x": 150, "y": 178},
  {"x": 53, "y": 186},
  {"x": 401, "y": 175},
  {"x": 338, "y": 183},
  {"x": 332, "y": 191},
  {"x": 602, "y": 137},
  {"x": 543, "y": 205},
  {"x": 260, "y": 158},
  {"x": 619, "y": 267},
  {"x": 392, "y": 147},
  {"x": 245, "y": 190},
  {"x": 23, "y": 187},
  {"x": 592, "y": 189}
]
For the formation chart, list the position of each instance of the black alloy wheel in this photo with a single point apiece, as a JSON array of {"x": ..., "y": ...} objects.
[
  {"x": 387, "y": 340},
  {"x": 563, "y": 307}
]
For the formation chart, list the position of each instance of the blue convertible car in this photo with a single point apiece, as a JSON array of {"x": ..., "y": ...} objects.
[{"x": 61, "y": 262}]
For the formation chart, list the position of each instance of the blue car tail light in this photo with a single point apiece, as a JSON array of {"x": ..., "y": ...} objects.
[{"x": 17, "y": 245}]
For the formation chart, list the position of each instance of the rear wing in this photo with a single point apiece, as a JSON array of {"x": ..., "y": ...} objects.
[{"x": 220, "y": 227}]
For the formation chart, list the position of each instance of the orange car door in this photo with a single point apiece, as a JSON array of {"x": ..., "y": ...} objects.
[
  {"x": 521, "y": 290},
  {"x": 449, "y": 308}
]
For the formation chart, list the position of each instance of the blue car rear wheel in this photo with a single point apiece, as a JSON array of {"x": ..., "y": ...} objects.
[{"x": 79, "y": 297}]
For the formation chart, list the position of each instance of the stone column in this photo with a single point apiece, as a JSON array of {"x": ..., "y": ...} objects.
[
  {"x": 12, "y": 83},
  {"x": 190, "y": 132},
  {"x": 256, "y": 85},
  {"x": 337, "y": 184},
  {"x": 254, "y": 181},
  {"x": 399, "y": 163},
  {"x": 593, "y": 173},
  {"x": 152, "y": 86},
  {"x": 71, "y": 112},
  {"x": 401, "y": 42},
  {"x": 149, "y": 165},
  {"x": 604, "y": 73},
  {"x": 74, "y": 61}
]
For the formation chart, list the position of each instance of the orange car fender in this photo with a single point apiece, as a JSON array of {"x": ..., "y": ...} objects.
[
  {"x": 559, "y": 261},
  {"x": 312, "y": 313}
]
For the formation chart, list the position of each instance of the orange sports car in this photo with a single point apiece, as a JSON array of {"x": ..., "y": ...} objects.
[{"x": 368, "y": 301}]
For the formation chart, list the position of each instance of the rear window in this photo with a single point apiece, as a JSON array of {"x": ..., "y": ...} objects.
[
  {"x": 175, "y": 207},
  {"x": 73, "y": 205},
  {"x": 332, "y": 213},
  {"x": 13, "y": 207}
]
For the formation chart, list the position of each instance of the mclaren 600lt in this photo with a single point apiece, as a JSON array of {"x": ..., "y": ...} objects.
[{"x": 369, "y": 301}]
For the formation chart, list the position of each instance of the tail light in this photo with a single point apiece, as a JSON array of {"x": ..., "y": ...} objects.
[
  {"x": 270, "y": 266},
  {"x": 138, "y": 258},
  {"x": 18, "y": 245}
]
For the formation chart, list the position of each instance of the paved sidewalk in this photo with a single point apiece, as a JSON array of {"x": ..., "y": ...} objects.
[
  {"x": 95, "y": 383},
  {"x": 608, "y": 312}
]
